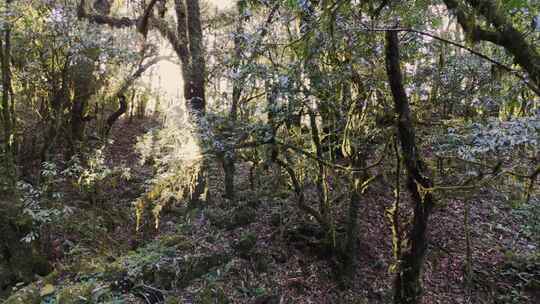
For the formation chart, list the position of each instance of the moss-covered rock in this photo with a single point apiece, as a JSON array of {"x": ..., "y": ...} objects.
[
  {"x": 27, "y": 295},
  {"x": 74, "y": 294},
  {"x": 178, "y": 241},
  {"x": 194, "y": 267},
  {"x": 47, "y": 290},
  {"x": 164, "y": 276},
  {"x": 148, "y": 273},
  {"x": 240, "y": 216},
  {"x": 114, "y": 271},
  {"x": 51, "y": 278}
]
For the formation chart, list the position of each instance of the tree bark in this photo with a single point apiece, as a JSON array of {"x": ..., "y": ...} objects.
[
  {"x": 116, "y": 114},
  {"x": 83, "y": 83},
  {"x": 6, "y": 113},
  {"x": 229, "y": 157},
  {"x": 408, "y": 286},
  {"x": 120, "y": 94},
  {"x": 504, "y": 33}
]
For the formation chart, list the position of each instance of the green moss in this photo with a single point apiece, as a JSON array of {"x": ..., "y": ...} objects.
[
  {"x": 212, "y": 295},
  {"x": 245, "y": 244},
  {"x": 19, "y": 261},
  {"x": 164, "y": 277},
  {"x": 114, "y": 272},
  {"x": 88, "y": 266},
  {"x": 173, "y": 300},
  {"x": 27, "y": 295},
  {"x": 74, "y": 294},
  {"x": 140, "y": 264},
  {"x": 243, "y": 216},
  {"x": 261, "y": 261},
  {"x": 218, "y": 218},
  {"x": 196, "y": 266},
  {"x": 240, "y": 216},
  {"x": 275, "y": 219},
  {"x": 51, "y": 277},
  {"x": 176, "y": 240}
]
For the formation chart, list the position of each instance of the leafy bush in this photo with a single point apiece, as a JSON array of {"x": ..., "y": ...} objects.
[
  {"x": 495, "y": 136},
  {"x": 530, "y": 213}
]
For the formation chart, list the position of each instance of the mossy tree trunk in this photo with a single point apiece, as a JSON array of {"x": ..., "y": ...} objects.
[
  {"x": 6, "y": 115},
  {"x": 503, "y": 33},
  {"x": 229, "y": 157},
  {"x": 408, "y": 286}
]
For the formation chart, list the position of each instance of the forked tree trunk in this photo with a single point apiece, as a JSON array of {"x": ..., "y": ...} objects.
[{"x": 408, "y": 286}]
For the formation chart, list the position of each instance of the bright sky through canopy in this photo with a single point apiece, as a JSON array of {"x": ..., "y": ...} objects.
[{"x": 167, "y": 74}]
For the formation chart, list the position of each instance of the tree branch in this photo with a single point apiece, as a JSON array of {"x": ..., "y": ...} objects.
[
  {"x": 514, "y": 72},
  {"x": 141, "y": 22},
  {"x": 178, "y": 44},
  {"x": 505, "y": 35},
  {"x": 101, "y": 19}
]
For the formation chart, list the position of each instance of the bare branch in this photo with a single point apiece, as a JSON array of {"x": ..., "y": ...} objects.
[{"x": 102, "y": 19}]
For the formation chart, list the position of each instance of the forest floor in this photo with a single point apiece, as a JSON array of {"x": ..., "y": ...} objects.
[{"x": 261, "y": 249}]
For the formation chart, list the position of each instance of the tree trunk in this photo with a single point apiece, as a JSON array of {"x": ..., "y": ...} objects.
[
  {"x": 229, "y": 157},
  {"x": 408, "y": 287},
  {"x": 271, "y": 95},
  {"x": 116, "y": 114},
  {"x": 6, "y": 113},
  {"x": 358, "y": 188},
  {"x": 504, "y": 34},
  {"x": 321, "y": 185},
  {"x": 194, "y": 87},
  {"x": 57, "y": 103}
]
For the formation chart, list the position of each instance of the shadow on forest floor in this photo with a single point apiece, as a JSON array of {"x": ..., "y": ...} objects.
[{"x": 261, "y": 249}]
